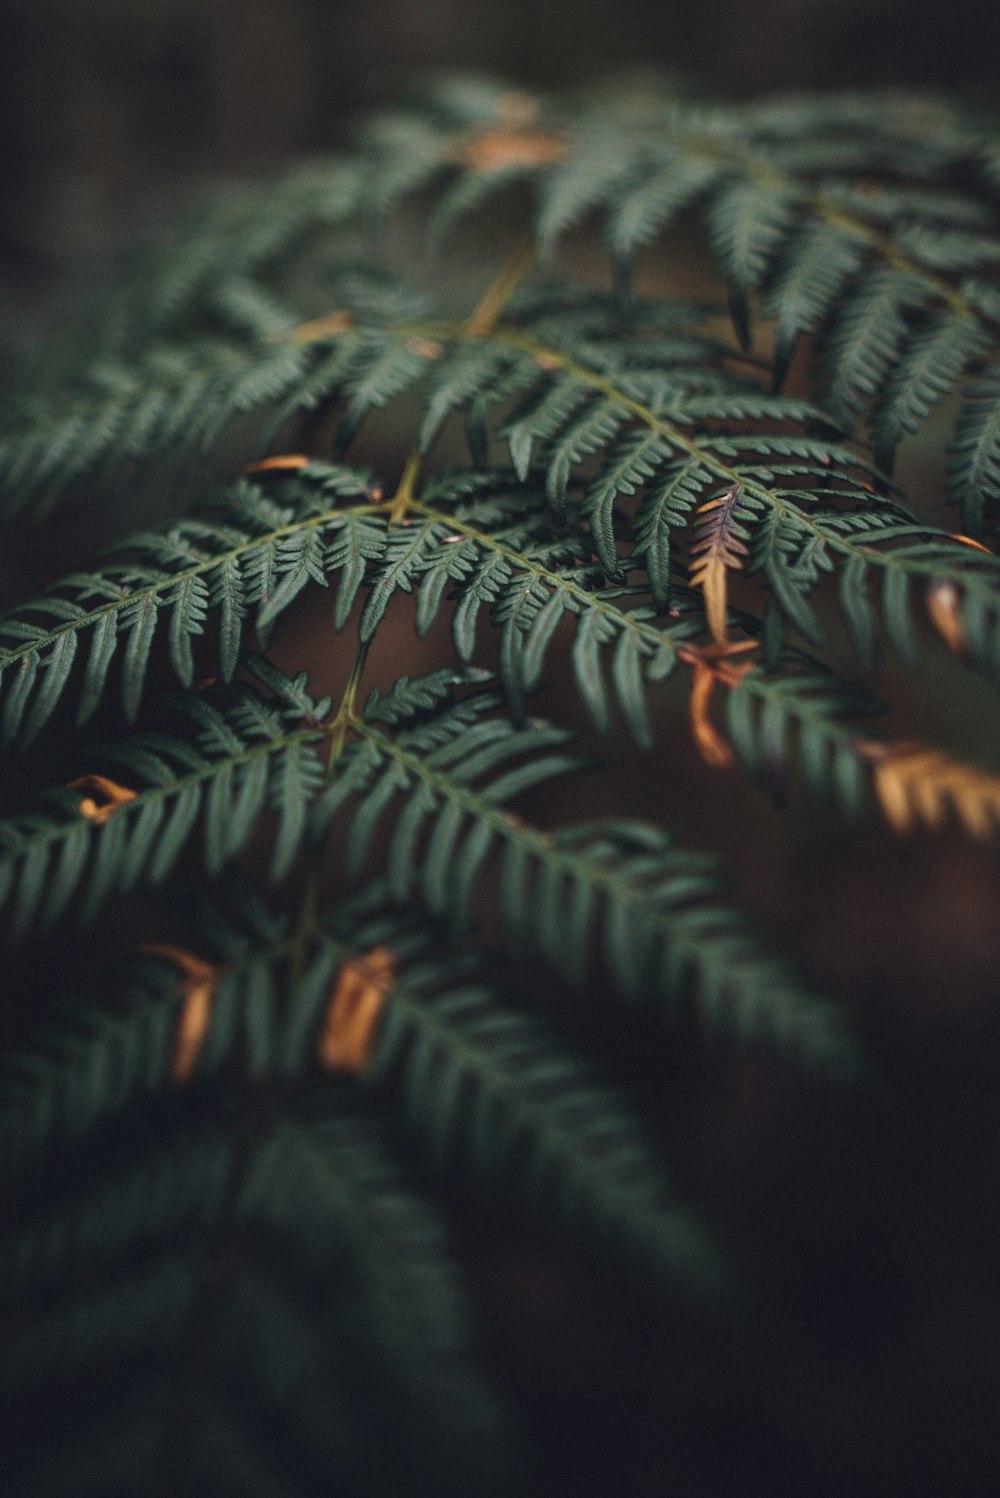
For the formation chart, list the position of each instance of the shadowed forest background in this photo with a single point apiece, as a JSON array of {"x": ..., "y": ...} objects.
[
  {"x": 111, "y": 110},
  {"x": 114, "y": 114}
]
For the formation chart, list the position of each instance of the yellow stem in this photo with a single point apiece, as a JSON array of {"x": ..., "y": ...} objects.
[
  {"x": 486, "y": 314},
  {"x": 339, "y": 725},
  {"x": 403, "y": 497}
]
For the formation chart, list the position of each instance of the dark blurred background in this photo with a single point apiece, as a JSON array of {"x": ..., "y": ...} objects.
[
  {"x": 110, "y": 110},
  {"x": 112, "y": 113}
]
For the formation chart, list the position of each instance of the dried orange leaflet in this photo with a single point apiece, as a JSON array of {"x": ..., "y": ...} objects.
[
  {"x": 919, "y": 787},
  {"x": 113, "y": 794},
  {"x": 968, "y": 541},
  {"x": 943, "y": 606},
  {"x": 283, "y": 463},
  {"x": 359, "y": 993},
  {"x": 495, "y": 150},
  {"x": 322, "y": 327},
  {"x": 199, "y": 980},
  {"x": 710, "y": 666},
  {"x": 716, "y": 549}
]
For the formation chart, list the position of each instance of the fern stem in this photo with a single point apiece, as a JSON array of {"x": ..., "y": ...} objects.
[
  {"x": 343, "y": 721},
  {"x": 491, "y": 305},
  {"x": 402, "y": 500}
]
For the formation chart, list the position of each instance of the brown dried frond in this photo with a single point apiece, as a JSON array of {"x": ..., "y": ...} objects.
[
  {"x": 968, "y": 541},
  {"x": 919, "y": 787},
  {"x": 495, "y": 150},
  {"x": 944, "y": 608},
  {"x": 359, "y": 993},
  {"x": 327, "y": 326},
  {"x": 717, "y": 548},
  {"x": 425, "y": 348},
  {"x": 114, "y": 795},
  {"x": 200, "y": 979},
  {"x": 283, "y": 463},
  {"x": 708, "y": 667}
]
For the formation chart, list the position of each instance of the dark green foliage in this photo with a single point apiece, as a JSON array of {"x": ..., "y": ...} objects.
[
  {"x": 298, "y": 1177},
  {"x": 244, "y": 553},
  {"x": 863, "y": 265},
  {"x": 245, "y": 1178}
]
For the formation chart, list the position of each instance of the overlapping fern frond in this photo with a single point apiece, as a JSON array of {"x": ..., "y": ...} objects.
[
  {"x": 444, "y": 770},
  {"x": 319, "y": 1274},
  {"x": 634, "y": 421},
  {"x": 207, "y": 1218},
  {"x": 311, "y": 1185},
  {"x": 894, "y": 275},
  {"x": 452, "y": 1059}
]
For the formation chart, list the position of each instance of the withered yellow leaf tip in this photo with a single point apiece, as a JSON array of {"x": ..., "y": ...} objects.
[
  {"x": 356, "y": 1003},
  {"x": 114, "y": 795},
  {"x": 200, "y": 979}
]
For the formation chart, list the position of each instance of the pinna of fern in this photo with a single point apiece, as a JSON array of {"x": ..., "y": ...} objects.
[
  {"x": 444, "y": 769},
  {"x": 487, "y": 541},
  {"x": 668, "y": 426},
  {"x": 440, "y": 1040},
  {"x": 488, "y": 1093},
  {"x": 894, "y": 278},
  {"x": 243, "y": 1135}
]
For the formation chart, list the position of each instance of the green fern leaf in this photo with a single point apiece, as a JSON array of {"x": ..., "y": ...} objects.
[
  {"x": 647, "y": 205},
  {"x": 864, "y": 341},
  {"x": 930, "y": 367},
  {"x": 255, "y": 752},
  {"x": 747, "y": 224},
  {"x": 974, "y": 455},
  {"x": 249, "y": 549},
  {"x": 810, "y": 277},
  {"x": 457, "y": 774},
  {"x": 364, "y": 1289}
]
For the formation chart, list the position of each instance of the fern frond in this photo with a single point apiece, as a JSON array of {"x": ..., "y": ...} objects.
[
  {"x": 165, "y": 409},
  {"x": 657, "y": 465},
  {"x": 865, "y": 340},
  {"x": 251, "y": 550},
  {"x": 932, "y": 365},
  {"x": 242, "y": 233},
  {"x": 341, "y": 1277},
  {"x": 485, "y": 1089},
  {"x": 110, "y": 423},
  {"x": 495, "y": 1089},
  {"x": 862, "y": 267},
  {"x": 974, "y": 454},
  {"x": 239, "y": 759},
  {"x": 747, "y": 224},
  {"x": 787, "y": 216},
  {"x": 494, "y": 545},
  {"x": 796, "y": 541},
  {"x": 574, "y": 413},
  {"x": 806, "y": 283},
  {"x": 648, "y": 202},
  {"x": 656, "y": 909},
  {"x": 919, "y": 786},
  {"x": 213, "y": 1267},
  {"x": 666, "y": 507}
]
